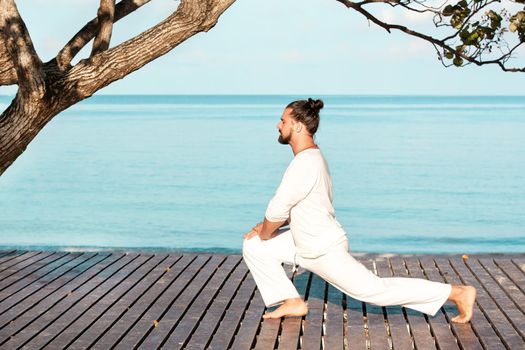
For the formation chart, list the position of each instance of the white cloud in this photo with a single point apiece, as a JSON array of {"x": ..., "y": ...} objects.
[
  {"x": 194, "y": 55},
  {"x": 403, "y": 16},
  {"x": 50, "y": 46},
  {"x": 294, "y": 56},
  {"x": 387, "y": 15},
  {"x": 412, "y": 49},
  {"x": 165, "y": 6},
  {"x": 416, "y": 17}
]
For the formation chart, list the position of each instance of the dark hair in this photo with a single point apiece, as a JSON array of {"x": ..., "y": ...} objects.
[{"x": 307, "y": 112}]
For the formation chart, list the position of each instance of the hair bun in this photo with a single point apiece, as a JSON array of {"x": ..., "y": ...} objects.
[{"x": 315, "y": 105}]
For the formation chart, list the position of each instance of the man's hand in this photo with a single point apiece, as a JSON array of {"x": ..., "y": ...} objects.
[
  {"x": 269, "y": 229},
  {"x": 254, "y": 231},
  {"x": 265, "y": 230}
]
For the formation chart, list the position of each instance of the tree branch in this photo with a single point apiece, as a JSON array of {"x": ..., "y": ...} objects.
[
  {"x": 105, "y": 14},
  {"x": 24, "y": 59},
  {"x": 7, "y": 70},
  {"x": 466, "y": 21},
  {"x": 88, "y": 32},
  {"x": 436, "y": 42},
  {"x": 190, "y": 18}
]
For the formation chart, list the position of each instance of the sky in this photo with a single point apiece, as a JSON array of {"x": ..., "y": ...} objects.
[{"x": 274, "y": 47}]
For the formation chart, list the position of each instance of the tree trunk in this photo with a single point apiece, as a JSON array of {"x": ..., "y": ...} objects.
[
  {"x": 46, "y": 89},
  {"x": 23, "y": 120}
]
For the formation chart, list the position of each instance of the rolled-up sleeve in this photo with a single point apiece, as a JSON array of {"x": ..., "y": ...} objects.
[{"x": 298, "y": 181}]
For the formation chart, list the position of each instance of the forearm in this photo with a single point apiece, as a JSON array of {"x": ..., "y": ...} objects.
[{"x": 269, "y": 228}]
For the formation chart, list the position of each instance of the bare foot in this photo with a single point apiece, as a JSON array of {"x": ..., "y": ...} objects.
[
  {"x": 290, "y": 307},
  {"x": 464, "y": 297}
]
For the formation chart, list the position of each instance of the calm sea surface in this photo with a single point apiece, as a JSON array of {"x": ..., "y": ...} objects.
[{"x": 410, "y": 174}]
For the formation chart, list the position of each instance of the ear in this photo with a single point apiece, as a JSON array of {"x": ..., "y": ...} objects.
[{"x": 298, "y": 127}]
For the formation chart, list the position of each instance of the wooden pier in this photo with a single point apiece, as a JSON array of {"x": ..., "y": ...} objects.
[{"x": 119, "y": 300}]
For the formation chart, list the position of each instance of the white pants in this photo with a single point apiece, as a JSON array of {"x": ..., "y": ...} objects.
[{"x": 340, "y": 269}]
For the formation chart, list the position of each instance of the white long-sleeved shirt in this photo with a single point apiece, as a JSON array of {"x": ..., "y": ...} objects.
[{"x": 305, "y": 198}]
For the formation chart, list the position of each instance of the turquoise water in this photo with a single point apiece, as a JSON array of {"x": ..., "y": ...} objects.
[{"x": 411, "y": 174}]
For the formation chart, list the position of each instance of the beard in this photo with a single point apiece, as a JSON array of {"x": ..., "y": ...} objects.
[{"x": 283, "y": 140}]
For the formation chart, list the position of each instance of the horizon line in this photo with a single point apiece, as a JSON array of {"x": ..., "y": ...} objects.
[{"x": 299, "y": 94}]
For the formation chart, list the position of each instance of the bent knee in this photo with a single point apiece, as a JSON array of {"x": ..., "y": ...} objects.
[{"x": 251, "y": 246}]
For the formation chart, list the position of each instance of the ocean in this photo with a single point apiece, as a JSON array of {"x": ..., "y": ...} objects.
[{"x": 411, "y": 174}]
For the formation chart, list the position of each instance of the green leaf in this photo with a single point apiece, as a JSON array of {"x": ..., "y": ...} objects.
[
  {"x": 517, "y": 24},
  {"x": 485, "y": 32},
  {"x": 473, "y": 37},
  {"x": 495, "y": 19},
  {"x": 456, "y": 21},
  {"x": 449, "y": 10},
  {"x": 458, "y": 61},
  {"x": 491, "y": 14}
]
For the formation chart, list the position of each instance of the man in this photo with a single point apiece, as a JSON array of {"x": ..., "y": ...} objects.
[{"x": 317, "y": 242}]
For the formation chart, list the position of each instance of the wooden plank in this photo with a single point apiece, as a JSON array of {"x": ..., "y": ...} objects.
[
  {"x": 479, "y": 323},
  {"x": 334, "y": 334},
  {"x": 251, "y": 322},
  {"x": 497, "y": 318},
  {"x": 397, "y": 324},
  {"x": 46, "y": 328},
  {"x": 19, "y": 270},
  {"x": 439, "y": 327},
  {"x": 35, "y": 323},
  {"x": 91, "y": 308},
  {"x": 55, "y": 288},
  {"x": 8, "y": 300},
  {"x": 8, "y": 254},
  {"x": 176, "y": 310},
  {"x": 189, "y": 321},
  {"x": 503, "y": 278},
  {"x": 156, "y": 311},
  {"x": 29, "y": 314},
  {"x": 520, "y": 263},
  {"x": 15, "y": 258},
  {"x": 6, "y": 251},
  {"x": 103, "y": 322},
  {"x": 513, "y": 272},
  {"x": 417, "y": 321},
  {"x": 377, "y": 331},
  {"x": 21, "y": 262},
  {"x": 216, "y": 311},
  {"x": 313, "y": 322},
  {"x": 356, "y": 333},
  {"x": 291, "y": 326},
  {"x": 163, "y": 290},
  {"x": 34, "y": 273},
  {"x": 506, "y": 305},
  {"x": 246, "y": 335},
  {"x": 113, "y": 296},
  {"x": 225, "y": 334},
  {"x": 267, "y": 336},
  {"x": 463, "y": 334}
]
